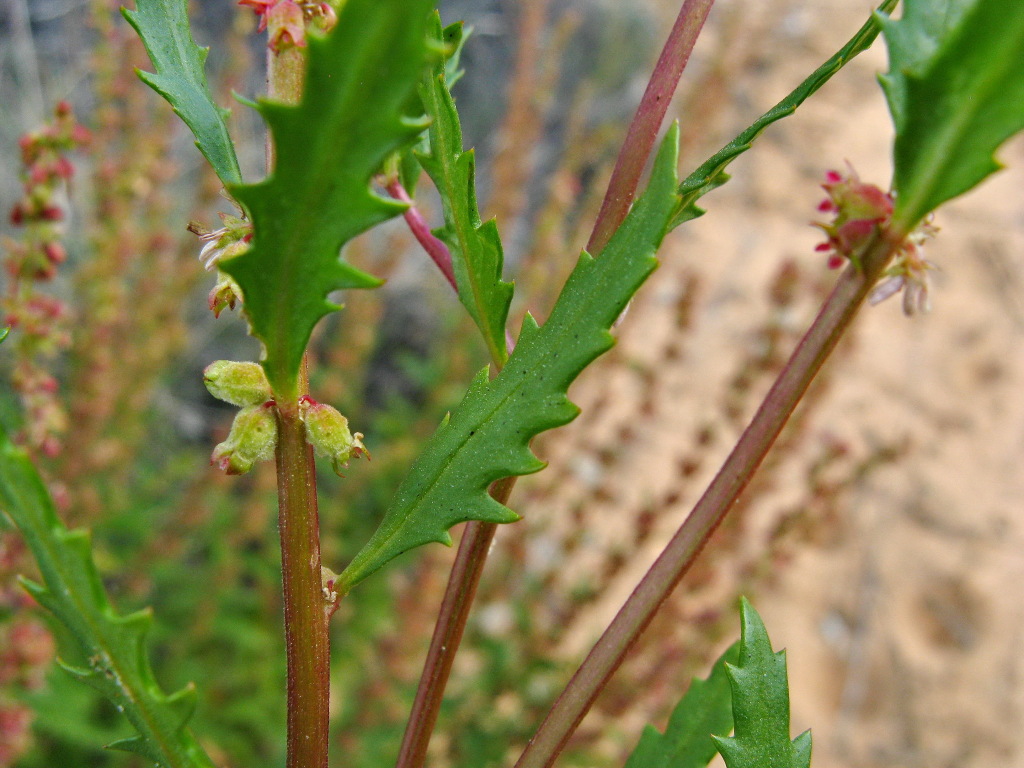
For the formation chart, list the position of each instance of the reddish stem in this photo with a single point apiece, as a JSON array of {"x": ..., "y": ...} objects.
[
  {"x": 305, "y": 608},
  {"x": 643, "y": 131},
  {"x": 448, "y": 631},
  {"x": 306, "y": 611},
  {"x": 469, "y": 561},
  {"x": 437, "y": 250},
  {"x": 658, "y": 583}
]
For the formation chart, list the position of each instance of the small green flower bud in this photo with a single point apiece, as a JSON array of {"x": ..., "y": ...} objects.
[
  {"x": 225, "y": 295},
  {"x": 253, "y": 438},
  {"x": 240, "y": 384},
  {"x": 327, "y": 431}
]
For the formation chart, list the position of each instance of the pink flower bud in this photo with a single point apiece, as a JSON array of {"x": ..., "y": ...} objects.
[
  {"x": 858, "y": 210},
  {"x": 63, "y": 168},
  {"x": 238, "y": 383},
  {"x": 55, "y": 252},
  {"x": 287, "y": 26},
  {"x": 80, "y": 135},
  {"x": 15, "y": 731}
]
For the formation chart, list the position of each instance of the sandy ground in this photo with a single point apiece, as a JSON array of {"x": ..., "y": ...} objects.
[{"x": 884, "y": 541}]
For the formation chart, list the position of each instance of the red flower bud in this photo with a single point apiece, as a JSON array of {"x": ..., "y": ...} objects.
[
  {"x": 55, "y": 252},
  {"x": 63, "y": 168},
  {"x": 80, "y": 135}
]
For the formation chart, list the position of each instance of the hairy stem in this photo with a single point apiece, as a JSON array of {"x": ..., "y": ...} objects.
[
  {"x": 658, "y": 583},
  {"x": 643, "y": 131}
]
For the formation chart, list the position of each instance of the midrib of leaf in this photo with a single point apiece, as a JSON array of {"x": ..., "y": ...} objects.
[
  {"x": 318, "y": 197},
  {"x": 711, "y": 173},
  {"x": 943, "y": 147},
  {"x": 475, "y": 247},
  {"x": 463, "y": 227},
  {"x": 487, "y": 436},
  {"x": 943, "y": 155},
  {"x": 760, "y": 704}
]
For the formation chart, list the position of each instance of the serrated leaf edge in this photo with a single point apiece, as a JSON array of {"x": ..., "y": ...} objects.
[
  {"x": 472, "y": 243},
  {"x": 84, "y": 607},
  {"x": 208, "y": 121},
  {"x": 711, "y": 175},
  {"x": 406, "y": 515}
]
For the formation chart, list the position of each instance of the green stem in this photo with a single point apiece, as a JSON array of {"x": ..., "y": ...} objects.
[
  {"x": 643, "y": 131},
  {"x": 657, "y": 584}
]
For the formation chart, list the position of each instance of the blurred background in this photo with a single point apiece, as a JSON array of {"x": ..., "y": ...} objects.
[{"x": 881, "y": 541}]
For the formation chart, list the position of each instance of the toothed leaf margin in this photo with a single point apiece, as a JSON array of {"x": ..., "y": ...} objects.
[{"x": 114, "y": 646}]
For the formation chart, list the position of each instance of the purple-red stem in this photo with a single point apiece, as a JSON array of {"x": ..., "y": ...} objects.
[
  {"x": 469, "y": 560},
  {"x": 477, "y": 537},
  {"x": 658, "y": 583},
  {"x": 643, "y": 131},
  {"x": 437, "y": 250},
  {"x": 448, "y": 631}
]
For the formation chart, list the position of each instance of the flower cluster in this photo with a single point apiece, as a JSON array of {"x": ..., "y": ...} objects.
[
  {"x": 908, "y": 273},
  {"x": 26, "y": 652},
  {"x": 286, "y": 20},
  {"x": 40, "y": 320},
  {"x": 859, "y": 211},
  {"x": 253, "y": 435},
  {"x": 230, "y": 240}
]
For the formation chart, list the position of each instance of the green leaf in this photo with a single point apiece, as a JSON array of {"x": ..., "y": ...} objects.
[
  {"x": 477, "y": 256},
  {"x": 705, "y": 710},
  {"x": 114, "y": 646},
  {"x": 760, "y": 704},
  {"x": 453, "y": 38},
  {"x": 327, "y": 148},
  {"x": 487, "y": 437},
  {"x": 955, "y": 88},
  {"x": 711, "y": 174},
  {"x": 179, "y": 78}
]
